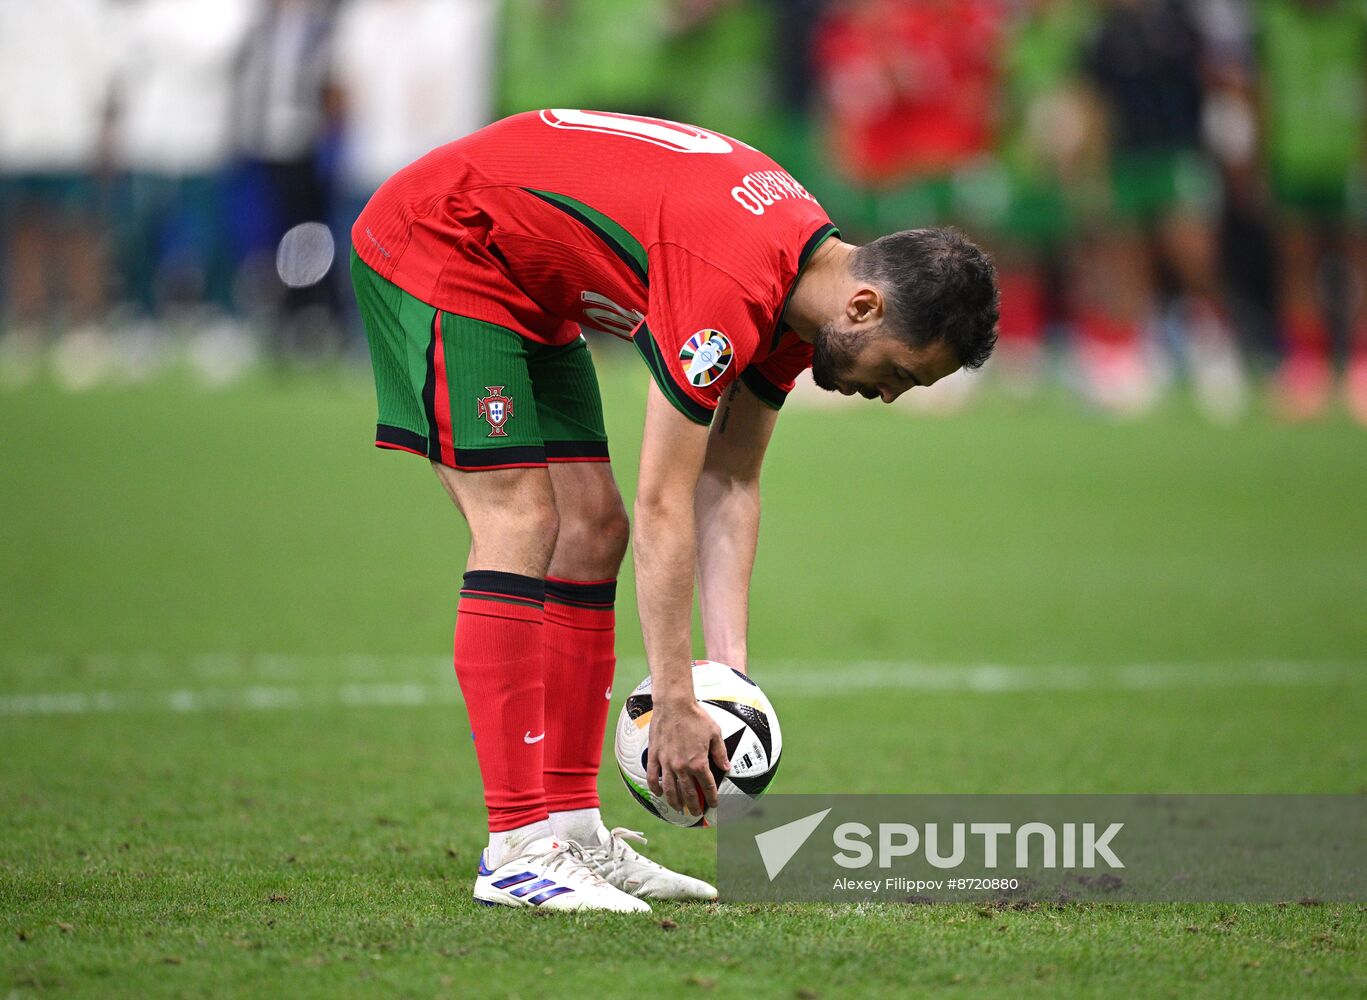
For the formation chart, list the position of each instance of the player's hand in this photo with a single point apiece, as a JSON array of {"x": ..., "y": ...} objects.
[{"x": 683, "y": 739}]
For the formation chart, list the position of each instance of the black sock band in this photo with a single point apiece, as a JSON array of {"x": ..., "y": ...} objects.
[
  {"x": 601, "y": 594},
  {"x": 491, "y": 585}
]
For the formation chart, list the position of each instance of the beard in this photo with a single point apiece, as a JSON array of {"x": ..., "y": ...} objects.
[{"x": 834, "y": 352}]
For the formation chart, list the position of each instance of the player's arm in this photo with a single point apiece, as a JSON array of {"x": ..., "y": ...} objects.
[
  {"x": 727, "y": 511},
  {"x": 682, "y": 734}
]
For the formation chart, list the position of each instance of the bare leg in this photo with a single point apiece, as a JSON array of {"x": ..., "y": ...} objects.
[
  {"x": 30, "y": 255},
  {"x": 27, "y": 260},
  {"x": 1303, "y": 383},
  {"x": 1355, "y": 383},
  {"x": 1188, "y": 243},
  {"x": 593, "y": 522},
  {"x": 1116, "y": 298},
  {"x": 511, "y": 514},
  {"x": 84, "y": 258}
]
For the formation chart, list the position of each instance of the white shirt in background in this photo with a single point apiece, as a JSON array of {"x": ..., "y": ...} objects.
[
  {"x": 174, "y": 92},
  {"x": 55, "y": 64},
  {"x": 414, "y": 74},
  {"x": 285, "y": 67}
]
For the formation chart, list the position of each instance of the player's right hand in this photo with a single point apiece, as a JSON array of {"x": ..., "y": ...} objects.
[{"x": 683, "y": 739}]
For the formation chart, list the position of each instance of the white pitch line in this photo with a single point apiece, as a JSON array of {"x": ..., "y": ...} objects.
[
  {"x": 987, "y": 678},
  {"x": 417, "y": 681},
  {"x": 272, "y": 667},
  {"x": 258, "y": 697}
]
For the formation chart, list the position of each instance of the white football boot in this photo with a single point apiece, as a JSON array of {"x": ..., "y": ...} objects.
[
  {"x": 550, "y": 874},
  {"x": 615, "y": 860}
]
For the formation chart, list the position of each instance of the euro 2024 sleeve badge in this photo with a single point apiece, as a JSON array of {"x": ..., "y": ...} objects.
[{"x": 706, "y": 356}]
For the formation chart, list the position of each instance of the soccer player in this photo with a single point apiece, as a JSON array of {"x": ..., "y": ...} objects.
[
  {"x": 476, "y": 268},
  {"x": 1313, "y": 72}
]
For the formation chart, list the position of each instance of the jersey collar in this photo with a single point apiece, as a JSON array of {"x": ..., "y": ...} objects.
[{"x": 823, "y": 233}]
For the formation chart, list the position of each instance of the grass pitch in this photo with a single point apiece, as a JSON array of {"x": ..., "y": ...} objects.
[{"x": 236, "y": 761}]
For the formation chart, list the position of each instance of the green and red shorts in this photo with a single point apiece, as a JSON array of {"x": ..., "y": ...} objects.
[{"x": 473, "y": 395}]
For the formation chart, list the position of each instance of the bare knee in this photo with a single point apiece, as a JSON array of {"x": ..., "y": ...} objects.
[
  {"x": 593, "y": 536},
  {"x": 523, "y": 536},
  {"x": 512, "y": 516},
  {"x": 612, "y": 531}
]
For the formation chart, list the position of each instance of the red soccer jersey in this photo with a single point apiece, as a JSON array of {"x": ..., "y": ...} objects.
[{"x": 683, "y": 240}]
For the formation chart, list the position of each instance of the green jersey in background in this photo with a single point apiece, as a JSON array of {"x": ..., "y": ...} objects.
[{"x": 1313, "y": 71}]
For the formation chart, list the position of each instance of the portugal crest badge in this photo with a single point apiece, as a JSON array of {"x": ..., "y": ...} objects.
[
  {"x": 496, "y": 408},
  {"x": 706, "y": 357}
]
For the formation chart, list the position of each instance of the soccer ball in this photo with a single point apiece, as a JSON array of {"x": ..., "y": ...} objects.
[{"x": 749, "y": 728}]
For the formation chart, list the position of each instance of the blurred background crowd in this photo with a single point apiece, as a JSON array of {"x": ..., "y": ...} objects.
[{"x": 1173, "y": 189}]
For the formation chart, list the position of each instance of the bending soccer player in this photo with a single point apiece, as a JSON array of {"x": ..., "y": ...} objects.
[{"x": 476, "y": 269}]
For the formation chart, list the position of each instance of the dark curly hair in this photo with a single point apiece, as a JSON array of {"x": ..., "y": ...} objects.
[{"x": 936, "y": 285}]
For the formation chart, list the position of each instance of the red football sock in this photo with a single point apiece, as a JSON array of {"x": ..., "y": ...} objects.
[
  {"x": 579, "y": 657},
  {"x": 498, "y": 663}
]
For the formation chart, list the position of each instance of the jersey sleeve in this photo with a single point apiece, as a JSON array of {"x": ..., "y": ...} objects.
[
  {"x": 701, "y": 330},
  {"x": 773, "y": 377}
]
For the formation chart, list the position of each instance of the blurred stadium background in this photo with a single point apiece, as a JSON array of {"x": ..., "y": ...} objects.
[
  {"x": 1173, "y": 188},
  {"x": 1132, "y": 560}
]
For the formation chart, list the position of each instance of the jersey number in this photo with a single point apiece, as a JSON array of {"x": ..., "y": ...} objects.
[{"x": 656, "y": 131}]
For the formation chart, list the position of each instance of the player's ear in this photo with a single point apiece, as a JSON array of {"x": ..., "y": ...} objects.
[{"x": 865, "y": 306}]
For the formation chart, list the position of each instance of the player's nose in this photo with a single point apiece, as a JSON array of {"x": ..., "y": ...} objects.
[{"x": 889, "y": 394}]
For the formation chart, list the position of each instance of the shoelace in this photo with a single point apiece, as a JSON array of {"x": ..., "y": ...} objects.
[
  {"x": 570, "y": 858},
  {"x": 619, "y": 850}
]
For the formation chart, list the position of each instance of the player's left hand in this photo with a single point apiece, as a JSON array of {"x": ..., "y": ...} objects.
[{"x": 683, "y": 739}]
